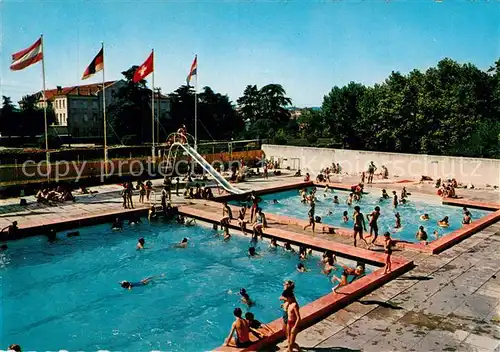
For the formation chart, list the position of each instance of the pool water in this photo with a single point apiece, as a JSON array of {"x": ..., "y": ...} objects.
[
  {"x": 66, "y": 295},
  {"x": 289, "y": 204}
]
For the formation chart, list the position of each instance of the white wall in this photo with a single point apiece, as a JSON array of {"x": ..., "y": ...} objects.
[{"x": 405, "y": 166}]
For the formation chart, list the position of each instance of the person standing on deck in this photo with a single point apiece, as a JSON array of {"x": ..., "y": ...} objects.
[
  {"x": 359, "y": 225},
  {"x": 371, "y": 171}
]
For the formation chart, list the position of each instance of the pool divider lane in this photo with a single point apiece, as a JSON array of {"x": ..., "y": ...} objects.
[{"x": 324, "y": 306}]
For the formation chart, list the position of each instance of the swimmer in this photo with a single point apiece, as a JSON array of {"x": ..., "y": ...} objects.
[
  {"x": 134, "y": 221},
  {"x": 252, "y": 252},
  {"x": 152, "y": 213},
  {"x": 436, "y": 234},
  {"x": 245, "y": 298},
  {"x": 444, "y": 222},
  {"x": 254, "y": 324},
  {"x": 349, "y": 199},
  {"x": 384, "y": 194},
  {"x": 301, "y": 268},
  {"x": 345, "y": 217},
  {"x": 275, "y": 201},
  {"x": 4, "y": 247},
  {"x": 302, "y": 253},
  {"x": 424, "y": 217},
  {"x": 398, "y": 221},
  {"x": 273, "y": 244},
  {"x": 329, "y": 265},
  {"x": 287, "y": 247},
  {"x": 336, "y": 200},
  {"x": 128, "y": 285},
  {"x": 343, "y": 280},
  {"x": 182, "y": 244},
  {"x": 467, "y": 218},
  {"x": 421, "y": 235},
  {"x": 140, "y": 243},
  {"x": 404, "y": 193},
  {"x": 14, "y": 347},
  {"x": 117, "y": 225},
  {"x": 394, "y": 199},
  {"x": 227, "y": 235}
]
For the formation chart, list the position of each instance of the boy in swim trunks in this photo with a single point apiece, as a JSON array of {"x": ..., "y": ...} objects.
[
  {"x": 311, "y": 216},
  {"x": 359, "y": 225},
  {"x": 227, "y": 214},
  {"x": 242, "y": 329},
  {"x": 372, "y": 221}
]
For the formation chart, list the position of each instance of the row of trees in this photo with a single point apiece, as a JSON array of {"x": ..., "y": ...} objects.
[
  {"x": 27, "y": 121},
  {"x": 449, "y": 109}
]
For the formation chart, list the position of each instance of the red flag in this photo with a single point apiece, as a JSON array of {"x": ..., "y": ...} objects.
[
  {"x": 145, "y": 69},
  {"x": 27, "y": 57}
]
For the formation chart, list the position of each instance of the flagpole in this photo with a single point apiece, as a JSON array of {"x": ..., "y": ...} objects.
[
  {"x": 153, "y": 108},
  {"x": 104, "y": 113},
  {"x": 47, "y": 155},
  {"x": 196, "y": 108}
]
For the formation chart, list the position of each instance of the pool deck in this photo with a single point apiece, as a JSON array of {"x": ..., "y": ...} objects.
[{"x": 449, "y": 301}]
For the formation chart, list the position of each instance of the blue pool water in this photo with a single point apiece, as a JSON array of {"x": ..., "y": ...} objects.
[
  {"x": 290, "y": 205},
  {"x": 66, "y": 295}
]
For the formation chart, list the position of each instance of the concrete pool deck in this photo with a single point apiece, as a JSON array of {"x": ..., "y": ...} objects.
[{"x": 449, "y": 301}]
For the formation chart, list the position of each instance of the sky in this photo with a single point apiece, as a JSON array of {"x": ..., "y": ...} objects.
[{"x": 307, "y": 46}]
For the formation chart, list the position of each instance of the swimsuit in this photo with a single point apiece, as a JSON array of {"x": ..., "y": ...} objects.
[{"x": 285, "y": 317}]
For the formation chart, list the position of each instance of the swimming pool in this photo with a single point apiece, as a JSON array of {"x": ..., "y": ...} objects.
[
  {"x": 66, "y": 295},
  {"x": 289, "y": 204}
]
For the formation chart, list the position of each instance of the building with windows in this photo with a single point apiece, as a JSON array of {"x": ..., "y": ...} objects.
[{"x": 79, "y": 109}]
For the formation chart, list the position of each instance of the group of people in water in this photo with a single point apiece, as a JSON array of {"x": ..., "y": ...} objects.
[{"x": 359, "y": 220}]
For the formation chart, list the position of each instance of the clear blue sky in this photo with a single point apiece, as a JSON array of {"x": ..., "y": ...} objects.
[{"x": 307, "y": 46}]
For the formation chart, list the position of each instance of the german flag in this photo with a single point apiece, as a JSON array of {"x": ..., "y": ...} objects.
[{"x": 95, "y": 66}]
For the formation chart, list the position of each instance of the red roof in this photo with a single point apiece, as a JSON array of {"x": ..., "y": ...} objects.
[{"x": 83, "y": 90}]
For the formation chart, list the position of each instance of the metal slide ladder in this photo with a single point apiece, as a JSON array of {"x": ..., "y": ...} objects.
[{"x": 203, "y": 163}]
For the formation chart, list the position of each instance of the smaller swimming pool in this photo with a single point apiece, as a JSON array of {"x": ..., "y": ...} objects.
[{"x": 289, "y": 204}]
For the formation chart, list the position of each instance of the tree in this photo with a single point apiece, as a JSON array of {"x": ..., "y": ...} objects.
[
  {"x": 249, "y": 104},
  {"x": 130, "y": 112},
  {"x": 342, "y": 114},
  {"x": 31, "y": 121},
  {"x": 217, "y": 118},
  {"x": 265, "y": 109},
  {"x": 8, "y": 117}
]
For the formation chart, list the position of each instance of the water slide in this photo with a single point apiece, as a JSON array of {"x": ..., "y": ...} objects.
[{"x": 208, "y": 168}]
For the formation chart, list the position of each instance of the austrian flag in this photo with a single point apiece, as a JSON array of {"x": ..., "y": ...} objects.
[
  {"x": 27, "y": 57},
  {"x": 145, "y": 69}
]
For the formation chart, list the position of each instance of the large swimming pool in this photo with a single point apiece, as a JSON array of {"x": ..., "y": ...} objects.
[
  {"x": 289, "y": 204},
  {"x": 66, "y": 295}
]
